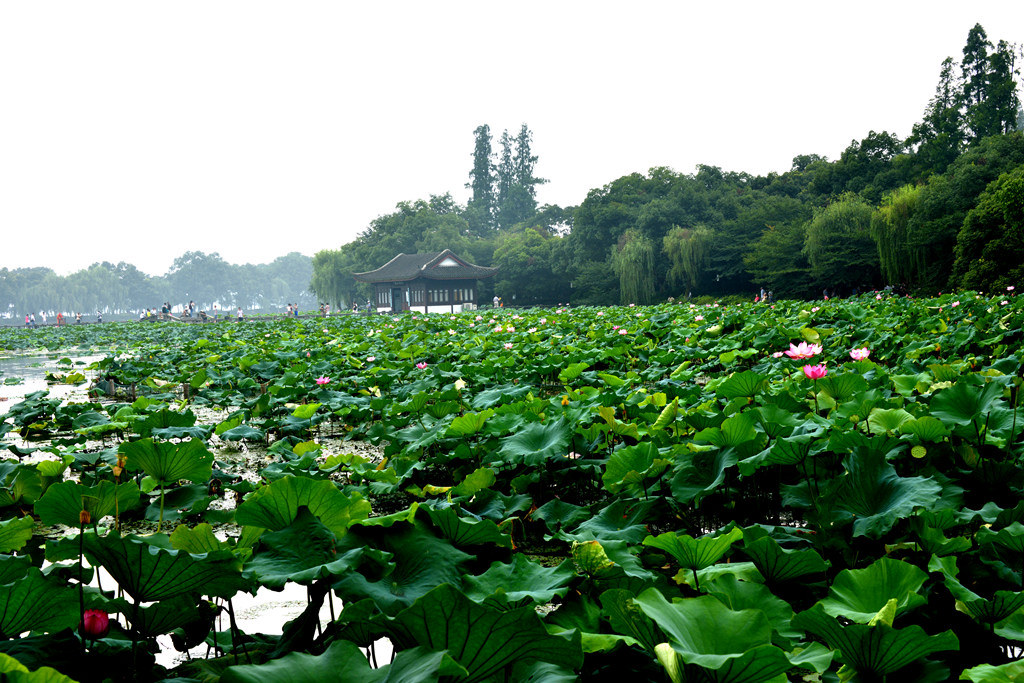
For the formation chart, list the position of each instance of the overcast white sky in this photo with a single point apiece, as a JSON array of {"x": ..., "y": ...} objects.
[{"x": 134, "y": 131}]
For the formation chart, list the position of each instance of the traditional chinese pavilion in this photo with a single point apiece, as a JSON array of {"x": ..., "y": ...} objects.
[{"x": 434, "y": 283}]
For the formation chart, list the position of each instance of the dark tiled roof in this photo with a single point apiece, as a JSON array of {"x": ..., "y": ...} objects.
[{"x": 412, "y": 266}]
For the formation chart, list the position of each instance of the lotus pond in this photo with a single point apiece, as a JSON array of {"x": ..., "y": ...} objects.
[{"x": 805, "y": 492}]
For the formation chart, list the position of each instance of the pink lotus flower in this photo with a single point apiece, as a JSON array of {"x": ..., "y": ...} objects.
[
  {"x": 860, "y": 354},
  {"x": 623, "y": 331},
  {"x": 323, "y": 380},
  {"x": 954, "y": 304},
  {"x": 815, "y": 371},
  {"x": 370, "y": 359},
  {"x": 815, "y": 309},
  {"x": 778, "y": 354},
  {"x": 1009, "y": 288},
  {"x": 508, "y": 345},
  {"x": 421, "y": 365},
  {"x": 498, "y": 328},
  {"x": 95, "y": 624},
  {"x": 698, "y": 318},
  {"x": 615, "y": 327},
  {"x": 803, "y": 350},
  {"x": 543, "y": 321}
]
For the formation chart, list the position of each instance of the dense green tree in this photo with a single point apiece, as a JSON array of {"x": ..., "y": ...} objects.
[
  {"x": 204, "y": 278},
  {"x": 526, "y": 268},
  {"x": 990, "y": 245},
  {"x": 482, "y": 206},
  {"x": 517, "y": 179},
  {"x": 947, "y": 198},
  {"x": 778, "y": 262},
  {"x": 633, "y": 260},
  {"x": 687, "y": 251},
  {"x": 900, "y": 255},
  {"x": 939, "y": 138},
  {"x": 839, "y": 247}
]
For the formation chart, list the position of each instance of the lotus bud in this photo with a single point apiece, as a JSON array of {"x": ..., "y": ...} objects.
[{"x": 95, "y": 624}]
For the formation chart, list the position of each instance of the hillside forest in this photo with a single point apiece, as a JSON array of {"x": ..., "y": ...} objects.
[{"x": 942, "y": 208}]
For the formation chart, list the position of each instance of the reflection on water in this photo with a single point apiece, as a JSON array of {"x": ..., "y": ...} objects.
[{"x": 32, "y": 370}]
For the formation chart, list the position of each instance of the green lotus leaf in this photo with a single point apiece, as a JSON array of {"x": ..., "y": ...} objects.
[
  {"x": 925, "y": 428},
  {"x": 1010, "y": 537},
  {"x": 875, "y": 650},
  {"x": 887, "y": 420},
  {"x": 408, "y": 561},
  {"x": 841, "y": 387},
  {"x": 197, "y": 540},
  {"x": 148, "y": 572},
  {"x": 730, "y": 646},
  {"x": 558, "y": 514},
  {"x": 470, "y": 423},
  {"x": 169, "y": 462},
  {"x": 462, "y": 529},
  {"x": 695, "y": 553},
  {"x": 536, "y": 443},
  {"x": 162, "y": 419},
  {"x": 344, "y": 661},
  {"x": 667, "y": 416},
  {"x": 505, "y": 586},
  {"x": 197, "y": 432},
  {"x": 475, "y": 482},
  {"x": 159, "y": 617},
  {"x": 963, "y": 403},
  {"x": 877, "y": 497},
  {"x": 746, "y": 384},
  {"x": 742, "y": 595},
  {"x": 631, "y": 466},
  {"x": 305, "y": 411},
  {"x": 13, "y": 671},
  {"x": 62, "y": 503},
  {"x": 13, "y": 567},
  {"x": 571, "y": 372},
  {"x": 626, "y": 617},
  {"x": 776, "y": 563},
  {"x": 274, "y": 507},
  {"x": 484, "y": 641},
  {"x": 775, "y": 421},
  {"x": 15, "y": 532},
  {"x": 734, "y": 431},
  {"x": 37, "y": 603},
  {"x": 859, "y": 594},
  {"x": 302, "y": 552},
  {"x": 623, "y": 520},
  {"x": 987, "y": 673},
  {"x": 700, "y": 473},
  {"x": 243, "y": 432}
]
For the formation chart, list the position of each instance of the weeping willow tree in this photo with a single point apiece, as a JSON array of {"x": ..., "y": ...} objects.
[
  {"x": 687, "y": 251},
  {"x": 900, "y": 259},
  {"x": 633, "y": 260},
  {"x": 839, "y": 245}
]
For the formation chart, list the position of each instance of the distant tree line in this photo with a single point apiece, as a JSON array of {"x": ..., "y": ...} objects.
[
  {"x": 122, "y": 289},
  {"x": 939, "y": 209}
]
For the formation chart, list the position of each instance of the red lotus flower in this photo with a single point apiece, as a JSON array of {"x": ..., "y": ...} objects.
[
  {"x": 323, "y": 380},
  {"x": 803, "y": 350},
  {"x": 95, "y": 624},
  {"x": 815, "y": 371},
  {"x": 860, "y": 354}
]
